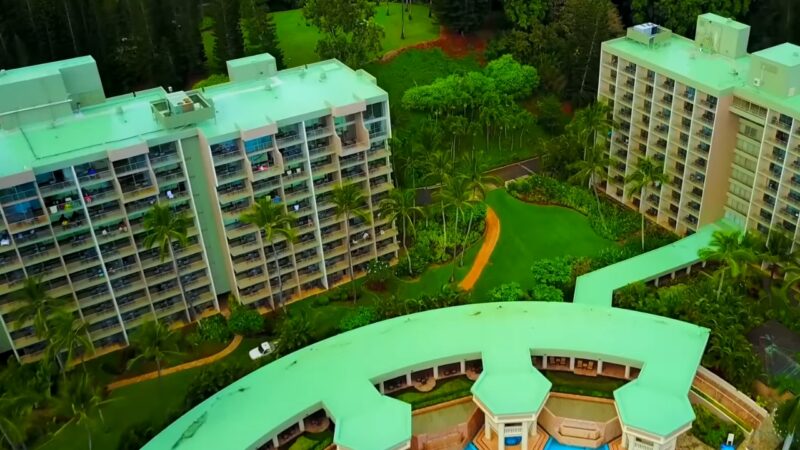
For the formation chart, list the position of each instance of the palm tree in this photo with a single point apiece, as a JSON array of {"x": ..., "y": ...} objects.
[
  {"x": 728, "y": 248},
  {"x": 68, "y": 335},
  {"x": 788, "y": 419},
  {"x": 648, "y": 174},
  {"x": 592, "y": 169},
  {"x": 349, "y": 201},
  {"x": 164, "y": 227},
  {"x": 588, "y": 123},
  {"x": 455, "y": 193},
  {"x": 475, "y": 169},
  {"x": 79, "y": 400},
  {"x": 400, "y": 204},
  {"x": 37, "y": 305},
  {"x": 153, "y": 341},
  {"x": 273, "y": 219},
  {"x": 15, "y": 417}
]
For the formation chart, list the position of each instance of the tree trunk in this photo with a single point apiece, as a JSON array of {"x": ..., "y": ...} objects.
[
  {"x": 189, "y": 311},
  {"x": 89, "y": 435},
  {"x": 430, "y": 8},
  {"x": 280, "y": 277},
  {"x": 71, "y": 31},
  {"x": 350, "y": 257},
  {"x": 444, "y": 228},
  {"x": 455, "y": 250},
  {"x": 721, "y": 280},
  {"x": 7, "y": 438},
  {"x": 597, "y": 198},
  {"x": 408, "y": 255},
  {"x": 589, "y": 55},
  {"x": 466, "y": 237},
  {"x": 402, "y": 22},
  {"x": 641, "y": 211}
]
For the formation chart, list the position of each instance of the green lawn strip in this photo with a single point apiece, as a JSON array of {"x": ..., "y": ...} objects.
[
  {"x": 150, "y": 401},
  {"x": 529, "y": 232},
  {"x": 298, "y": 40},
  {"x": 569, "y": 383},
  {"x": 313, "y": 441},
  {"x": 445, "y": 390}
]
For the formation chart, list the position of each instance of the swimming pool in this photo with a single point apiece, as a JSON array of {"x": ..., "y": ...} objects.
[{"x": 553, "y": 444}]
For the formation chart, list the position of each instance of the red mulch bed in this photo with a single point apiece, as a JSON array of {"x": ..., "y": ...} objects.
[{"x": 452, "y": 44}]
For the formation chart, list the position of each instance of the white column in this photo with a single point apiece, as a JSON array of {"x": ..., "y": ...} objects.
[
  {"x": 571, "y": 363},
  {"x": 544, "y": 361},
  {"x": 275, "y": 442},
  {"x": 672, "y": 275},
  {"x": 627, "y": 371},
  {"x": 656, "y": 281},
  {"x": 436, "y": 372},
  {"x": 463, "y": 366},
  {"x": 408, "y": 379},
  {"x": 501, "y": 436},
  {"x": 599, "y": 366},
  {"x": 624, "y": 440},
  {"x": 525, "y": 430},
  {"x": 302, "y": 425},
  {"x": 487, "y": 427},
  {"x": 382, "y": 388},
  {"x": 688, "y": 270}
]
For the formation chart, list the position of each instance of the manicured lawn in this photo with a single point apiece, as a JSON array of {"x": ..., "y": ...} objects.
[
  {"x": 576, "y": 384},
  {"x": 298, "y": 40},
  {"x": 446, "y": 390},
  {"x": 529, "y": 232}
]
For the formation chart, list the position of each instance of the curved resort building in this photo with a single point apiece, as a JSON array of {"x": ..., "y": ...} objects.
[{"x": 510, "y": 350}]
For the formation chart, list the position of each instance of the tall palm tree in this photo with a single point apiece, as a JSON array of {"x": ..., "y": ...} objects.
[
  {"x": 79, "y": 400},
  {"x": 163, "y": 228},
  {"x": 273, "y": 219},
  {"x": 37, "y": 305},
  {"x": 400, "y": 205},
  {"x": 592, "y": 169},
  {"x": 350, "y": 201},
  {"x": 790, "y": 420},
  {"x": 476, "y": 171},
  {"x": 649, "y": 174},
  {"x": 455, "y": 194},
  {"x": 67, "y": 336},
  {"x": 153, "y": 341},
  {"x": 588, "y": 123},
  {"x": 728, "y": 248}
]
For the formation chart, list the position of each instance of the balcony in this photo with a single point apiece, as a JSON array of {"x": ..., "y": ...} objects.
[{"x": 55, "y": 188}]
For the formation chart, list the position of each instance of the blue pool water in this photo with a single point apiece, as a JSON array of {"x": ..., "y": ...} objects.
[
  {"x": 553, "y": 444},
  {"x": 470, "y": 446}
]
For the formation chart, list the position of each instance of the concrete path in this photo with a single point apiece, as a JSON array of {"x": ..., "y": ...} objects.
[
  {"x": 492, "y": 234},
  {"x": 181, "y": 367}
]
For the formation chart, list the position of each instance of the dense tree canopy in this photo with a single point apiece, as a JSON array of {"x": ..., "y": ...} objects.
[
  {"x": 349, "y": 31},
  {"x": 681, "y": 15},
  {"x": 462, "y": 16}
]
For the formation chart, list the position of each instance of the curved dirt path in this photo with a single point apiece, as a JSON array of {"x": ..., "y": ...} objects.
[
  {"x": 492, "y": 234},
  {"x": 181, "y": 367}
]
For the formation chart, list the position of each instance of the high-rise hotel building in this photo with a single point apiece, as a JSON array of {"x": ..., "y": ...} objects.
[
  {"x": 78, "y": 171},
  {"x": 724, "y": 123}
]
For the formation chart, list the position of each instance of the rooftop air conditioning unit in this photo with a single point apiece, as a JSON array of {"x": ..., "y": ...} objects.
[{"x": 757, "y": 82}]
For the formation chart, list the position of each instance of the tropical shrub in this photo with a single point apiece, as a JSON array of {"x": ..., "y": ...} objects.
[
  {"x": 294, "y": 332},
  {"x": 545, "y": 293},
  {"x": 246, "y": 321},
  {"x": 711, "y": 430},
  {"x": 359, "y": 318},
  {"x": 214, "y": 329},
  {"x": 556, "y": 272},
  {"x": 322, "y": 300},
  {"x": 212, "y": 379},
  {"x": 507, "y": 292},
  {"x": 379, "y": 273}
]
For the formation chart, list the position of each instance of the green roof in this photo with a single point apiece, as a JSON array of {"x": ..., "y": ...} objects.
[
  {"x": 597, "y": 288},
  {"x": 338, "y": 373},
  {"x": 730, "y": 23},
  {"x": 680, "y": 59},
  {"x": 127, "y": 120}
]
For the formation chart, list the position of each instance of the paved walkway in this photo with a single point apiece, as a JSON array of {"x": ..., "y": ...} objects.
[
  {"x": 492, "y": 234},
  {"x": 181, "y": 367}
]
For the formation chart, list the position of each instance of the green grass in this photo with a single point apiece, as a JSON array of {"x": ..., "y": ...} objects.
[
  {"x": 529, "y": 232},
  {"x": 313, "y": 441},
  {"x": 446, "y": 390},
  {"x": 298, "y": 40},
  {"x": 570, "y": 383}
]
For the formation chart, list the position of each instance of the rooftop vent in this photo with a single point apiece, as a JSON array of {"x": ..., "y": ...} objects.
[{"x": 649, "y": 33}]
